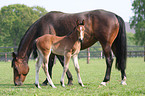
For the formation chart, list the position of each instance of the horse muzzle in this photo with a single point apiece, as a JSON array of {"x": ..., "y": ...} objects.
[{"x": 18, "y": 83}]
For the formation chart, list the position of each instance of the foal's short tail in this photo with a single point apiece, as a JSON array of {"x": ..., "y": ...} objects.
[
  {"x": 120, "y": 45},
  {"x": 35, "y": 50}
]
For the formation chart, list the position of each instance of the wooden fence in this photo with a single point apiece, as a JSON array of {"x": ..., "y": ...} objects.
[{"x": 92, "y": 52}]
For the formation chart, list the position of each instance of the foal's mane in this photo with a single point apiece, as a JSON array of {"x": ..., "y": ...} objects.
[{"x": 71, "y": 31}]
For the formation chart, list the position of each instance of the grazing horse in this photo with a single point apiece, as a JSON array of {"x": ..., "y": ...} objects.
[
  {"x": 100, "y": 25},
  {"x": 67, "y": 46}
]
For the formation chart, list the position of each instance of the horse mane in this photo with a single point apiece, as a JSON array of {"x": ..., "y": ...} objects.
[{"x": 23, "y": 40}]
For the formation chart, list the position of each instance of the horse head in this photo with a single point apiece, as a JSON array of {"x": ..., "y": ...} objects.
[
  {"x": 80, "y": 28},
  {"x": 20, "y": 68}
]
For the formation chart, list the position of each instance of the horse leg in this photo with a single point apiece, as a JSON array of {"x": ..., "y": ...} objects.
[
  {"x": 123, "y": 75},
  {"x": 50, "y": 65},
  {"x": 119, "y": 62},
  {"x": 67, "y": 57},
  {"x": 109, "y": 61},
  {"x": 69, "y": 75},
  {"x": 45, "y": 68},
  {"x": 76, "y": 64},
  {"x": 38, "y": 65}
]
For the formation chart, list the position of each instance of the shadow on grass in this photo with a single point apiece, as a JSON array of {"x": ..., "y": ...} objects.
[
  {"x": 24, "y": 86},
  {"x": 12, "y": 86}
]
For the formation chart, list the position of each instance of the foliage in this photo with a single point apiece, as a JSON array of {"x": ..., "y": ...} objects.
[
  {"x": 92, "y": 75},
  {"x": 15, "y": 20},
  {"x": 130, "y": 39},
  {"x": 138, "y": 20}
]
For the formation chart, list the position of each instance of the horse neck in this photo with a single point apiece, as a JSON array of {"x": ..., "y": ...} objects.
[
  {"x": 26, "y": 45},
  {"x": 74, "y": 36}
]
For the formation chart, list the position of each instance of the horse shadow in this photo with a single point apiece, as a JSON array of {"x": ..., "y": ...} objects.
[
  {"x": 13, "y": 86},
  {"x": 23, "y": 86}
]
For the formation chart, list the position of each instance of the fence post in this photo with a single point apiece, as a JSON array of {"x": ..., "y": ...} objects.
[
  {"x": 5, "y": 57},
  {"x": 101, "y": 54},
  {"x": 88, "y": 55}
]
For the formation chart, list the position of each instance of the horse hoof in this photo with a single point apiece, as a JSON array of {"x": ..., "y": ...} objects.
[
  {"x": 70, "y": 83},
  {"x": 123, "y": 83},
  {"x": 81, "y": 84},
  {"x": 37, "y": 85},
  {"x": 54, "y": 87},
  {"x": 103, "y": 83},
  {"x": 43, "y": 84},
  {"x": 62, "y": 84}
]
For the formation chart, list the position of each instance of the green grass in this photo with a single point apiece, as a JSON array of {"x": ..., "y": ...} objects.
[{"x": 92, "y": 75}]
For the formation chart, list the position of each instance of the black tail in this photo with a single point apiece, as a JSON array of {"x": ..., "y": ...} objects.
[
  {"x": 120, "y": 45},
  {"x": 35, "y": 50}
]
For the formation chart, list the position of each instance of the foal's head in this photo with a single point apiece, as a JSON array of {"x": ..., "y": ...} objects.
[
  {"x": 80, "y": 30},
  {"x": 20, "y": 68}
]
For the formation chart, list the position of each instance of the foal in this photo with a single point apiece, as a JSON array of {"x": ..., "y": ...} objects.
[{"x": 66, "y": 46}]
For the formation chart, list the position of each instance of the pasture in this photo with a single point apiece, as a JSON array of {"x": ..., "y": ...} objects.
[{"x": 92, "y": 75}]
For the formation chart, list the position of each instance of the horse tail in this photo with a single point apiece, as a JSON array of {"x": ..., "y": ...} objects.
[
  {"x": 35, "y": 50},
  {"x": 120, "y": 45}
]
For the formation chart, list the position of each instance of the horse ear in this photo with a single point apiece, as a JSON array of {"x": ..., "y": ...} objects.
[
  {"x": 83, "y": 22},
  {"x": 77, "y": 22},
  {"x": 13, "y": 54}
]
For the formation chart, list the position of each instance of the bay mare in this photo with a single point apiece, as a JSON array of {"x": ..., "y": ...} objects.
[
  {"x": 100, "y": 25},
  {"x": 67, "y": 46}
]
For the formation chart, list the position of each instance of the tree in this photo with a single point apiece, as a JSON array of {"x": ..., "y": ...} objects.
[
  {"x": 138, "y": 21},
  {"x": 15, "y": 20}
]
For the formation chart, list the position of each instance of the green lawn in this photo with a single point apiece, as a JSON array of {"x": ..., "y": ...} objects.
[{"x": 92, "y": 75}]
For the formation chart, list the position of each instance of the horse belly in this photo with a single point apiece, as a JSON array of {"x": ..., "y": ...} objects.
[{"x": 57, "y": 51}]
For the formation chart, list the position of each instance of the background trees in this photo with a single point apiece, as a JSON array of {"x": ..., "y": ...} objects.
[
  {"x": 15, "y": 20},
  {"x": 138, "y": 21}
]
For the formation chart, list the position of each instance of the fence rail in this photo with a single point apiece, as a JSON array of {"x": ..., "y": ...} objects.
[{"x": 92, "y": 52}]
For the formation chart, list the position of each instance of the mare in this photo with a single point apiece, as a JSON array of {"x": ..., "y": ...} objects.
[
  {"x": 100, "y": 25},
  {"x": 67, "y": 46}
]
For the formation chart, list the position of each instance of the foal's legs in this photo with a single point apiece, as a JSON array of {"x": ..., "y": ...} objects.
[
  {"x": 50, "y": 65},
  {"x": 109, "y": 60},
  {"x": 69, "y": 75},
  {"x": 45, "y": 68},
  {"x": 76, "y": 64},
  {"x": 67, "y": 57},
  {"x": 38, "y": 65}
]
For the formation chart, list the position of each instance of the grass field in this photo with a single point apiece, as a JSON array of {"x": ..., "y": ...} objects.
[{"x": 92, "y": 75}]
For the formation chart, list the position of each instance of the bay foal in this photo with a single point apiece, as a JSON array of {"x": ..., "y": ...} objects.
[{"x": 67, "y": 46}]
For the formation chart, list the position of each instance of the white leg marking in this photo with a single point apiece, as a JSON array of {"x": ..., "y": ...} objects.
[
  {"x": 45, "y": 68},
  {"x": 37, "y": 66},
  {"x": 76, "y": 64},
  {"x": 65, "y": 68},
  {"x": 103, "y": 83},
  {"x": 123, "y": 82},
  {"x": 63, "y": 74}
]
